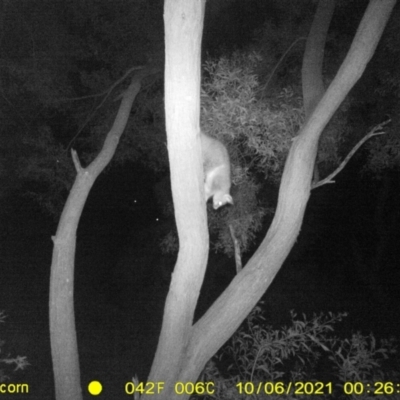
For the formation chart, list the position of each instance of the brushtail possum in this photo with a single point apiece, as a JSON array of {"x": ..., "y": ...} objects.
[{"x": 217, "y": 171}]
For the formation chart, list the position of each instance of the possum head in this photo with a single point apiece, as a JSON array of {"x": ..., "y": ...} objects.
[{"x": 217, "y": 185}]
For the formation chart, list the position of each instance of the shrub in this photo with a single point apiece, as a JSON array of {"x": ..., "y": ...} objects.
[
  {"x": 18, "y": 362},
  {"x": 305, "y": 351}
]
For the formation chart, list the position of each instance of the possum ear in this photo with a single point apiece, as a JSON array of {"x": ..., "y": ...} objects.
[{"x": 226, "y": 198}]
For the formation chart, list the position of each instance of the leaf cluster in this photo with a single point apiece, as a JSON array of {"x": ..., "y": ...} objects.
[
  {"x": 257, "y": 131},
  {"x": 259, "y": 353},
  {"x": 258, "y": 134},
  {"x": 19, "y": 362},
  {"x": 360, "y": 359},
  {"x": 383, "y": 153}
]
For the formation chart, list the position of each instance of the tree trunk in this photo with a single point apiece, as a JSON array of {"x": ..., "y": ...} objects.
[
  {"x": 226, "y": 314},
  {"x": 183, "y": 350},
  {"x": 311, "y": 74},
  {"x": 312, "y": 78},
  {"x": 183, "y": 31},
  {"x": 63, "y": 341}
]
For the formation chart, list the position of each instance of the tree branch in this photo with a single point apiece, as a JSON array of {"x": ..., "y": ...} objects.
[
  {"x": 236, "y": 246},
  {"x": 375, "y": 131}
]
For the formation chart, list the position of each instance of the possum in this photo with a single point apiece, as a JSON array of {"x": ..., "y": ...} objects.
[{"x": 217, "y": 171}]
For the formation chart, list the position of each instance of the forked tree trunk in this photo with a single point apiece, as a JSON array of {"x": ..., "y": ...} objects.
[
  {"x": 183, "y": 349},
  {"x": 64, "y": 350}
]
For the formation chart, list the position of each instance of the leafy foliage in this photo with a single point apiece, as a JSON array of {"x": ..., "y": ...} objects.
[
  {"x": 381, "y": 100},
  {"x": 384, "y": 153},
  {"x": 259, "y": 353},
  {"x": 261, "y": 129},
  {"x": 359, "y": 359},
  {"x": 258, "y": 134},
  {"x": 19, "y": 362}
]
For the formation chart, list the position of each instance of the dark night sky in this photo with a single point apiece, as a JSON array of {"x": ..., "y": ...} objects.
[{"x": 122, "y": 277}]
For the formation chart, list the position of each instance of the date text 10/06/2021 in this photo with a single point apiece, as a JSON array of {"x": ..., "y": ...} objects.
[{"x": 269, "y": 388}]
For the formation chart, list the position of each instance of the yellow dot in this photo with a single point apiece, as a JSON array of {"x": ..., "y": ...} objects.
[{"x": 95, "y": 388}]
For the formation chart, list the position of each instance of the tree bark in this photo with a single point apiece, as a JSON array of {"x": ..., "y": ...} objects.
[
  {"x": 183, "y": 31},
  {"x": 312, "y": 77},
  {"x": 311, "y": 74},
  {"x": 63, "y": 341}
]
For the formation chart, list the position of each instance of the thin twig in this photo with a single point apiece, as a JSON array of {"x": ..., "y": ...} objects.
[
  {"x": 106, "y": 93},
  {"x": 280, "y": 61},
  {"x": 236, "y": 245},
  {"x": 375, "y": 131}
]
